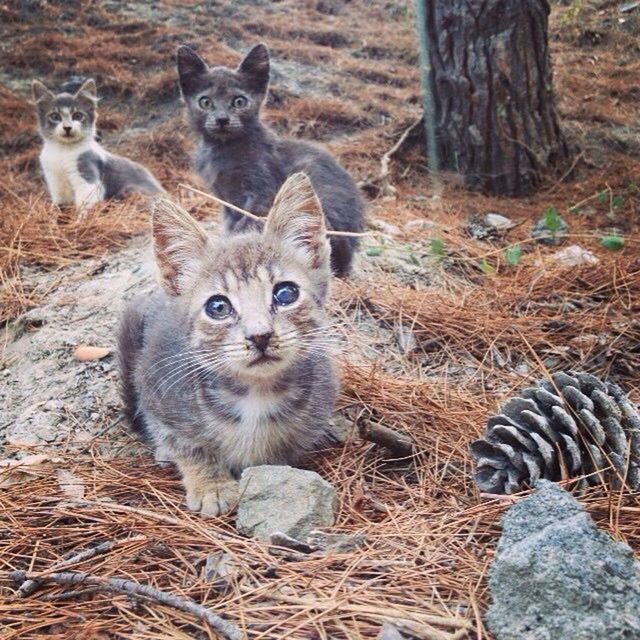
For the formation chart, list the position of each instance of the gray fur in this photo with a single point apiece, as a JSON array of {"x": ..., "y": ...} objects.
[
  {"x": 199, "y": 388},
  {"x": 244, "y": 163},
  {"x": 119, "y": 176},
  {"x": 76, "y": 168}
]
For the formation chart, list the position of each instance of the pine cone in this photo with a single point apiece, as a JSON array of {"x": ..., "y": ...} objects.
[{"x": 573, "y": 426}]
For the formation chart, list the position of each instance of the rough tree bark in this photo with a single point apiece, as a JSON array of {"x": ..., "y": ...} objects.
[{"x": 489, "y": 82}]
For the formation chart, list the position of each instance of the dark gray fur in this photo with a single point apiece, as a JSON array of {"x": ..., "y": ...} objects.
[
  {"x": 154, "y": 332},
  {"x": 244, "y": 163},
  {"x": 119, "y": 176}
]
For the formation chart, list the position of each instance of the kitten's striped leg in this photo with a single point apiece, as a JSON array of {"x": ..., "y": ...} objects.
[{"x": 210, "y": 489}]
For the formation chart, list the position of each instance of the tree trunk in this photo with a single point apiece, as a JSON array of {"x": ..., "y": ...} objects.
[{"x": 488, "y": 92}]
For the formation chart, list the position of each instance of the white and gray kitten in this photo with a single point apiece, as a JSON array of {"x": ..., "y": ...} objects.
[
  {"x": 229, "y": 366},
  {"x": 77, "y": 169}
]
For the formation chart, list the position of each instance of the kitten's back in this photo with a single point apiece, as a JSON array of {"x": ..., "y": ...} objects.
[{"x": 120, "y": 176}]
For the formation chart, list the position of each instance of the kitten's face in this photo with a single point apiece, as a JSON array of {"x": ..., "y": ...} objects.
[
  {"x": 66, "y": 118},
  {"x": 254, "y": 309},
  {"x": 254, "y": 302},
  {"x": 223, "y": 103}
]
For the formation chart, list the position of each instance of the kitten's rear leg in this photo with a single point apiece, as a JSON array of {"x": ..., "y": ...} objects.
[
  {"x": 342, "y": 249},
  {"x": 210, "y": 489}
]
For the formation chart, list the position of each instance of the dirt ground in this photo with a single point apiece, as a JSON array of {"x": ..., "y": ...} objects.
[{"x": 436, "y": 326}]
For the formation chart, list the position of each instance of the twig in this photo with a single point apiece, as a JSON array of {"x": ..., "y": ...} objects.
[
  {"x": 123, "y": 508},
  {"x": 253, "y": 216},
  {"x": 28, "y": 587},
  {"x": 130, "y": 587},
  {"x": 566, "y": 174},
  {"x": 399, "y": 444},
  {"x": 279, "y": 539},
  {"x": 385, "y": 162}
]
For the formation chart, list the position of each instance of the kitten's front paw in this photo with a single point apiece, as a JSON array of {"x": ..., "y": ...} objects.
[{"x": 214, "y": 499}]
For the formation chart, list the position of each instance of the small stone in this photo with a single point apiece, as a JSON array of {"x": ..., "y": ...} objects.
[
  {"x": 574, "y": 256},
  {"x": 406, "y": 340},
  {"x": 342, "y": 427},
  {"x": 337, "y": 542},
  {"x": 541, "y": 232},
  {"x": 498, "y": 221},
  {"x": 389, "y": 632},
  {"x": 420, "y": 224},
  {"x": 555, "y": 575},
  {"x": 384, "y": 227},
  {"x": 219, "y": 566},
  {"x": 283, "y": 499}
]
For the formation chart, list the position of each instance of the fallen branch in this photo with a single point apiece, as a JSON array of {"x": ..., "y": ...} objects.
[
  {"x": 129, "y": 587},
  {"x": 253, "y": 216},
  {"x": 29, "y": 586},
  {"x": 279, "y": 539},
  {"x": 385, "y": 162},
  {"x": 399, "y": 444}
]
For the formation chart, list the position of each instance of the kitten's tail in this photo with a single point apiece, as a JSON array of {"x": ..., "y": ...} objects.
[{"x": 130, "y": 342}]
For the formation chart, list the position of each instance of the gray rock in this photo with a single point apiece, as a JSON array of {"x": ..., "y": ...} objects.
[
  {"x": 557, "y": 577},
  {"x": 336, "y": 542},
  {"x": 488, "y": 226},
  {"x": 498, "y": 221},
  {"x": 389, "y": 632},
  {"x": 282, "y": 499},
  {"x": 542, "y": 234}
]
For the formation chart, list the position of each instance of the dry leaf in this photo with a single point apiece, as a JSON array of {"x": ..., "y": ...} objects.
[
  {"x": 27, "y": 461},
  {"x": 70, "y": 484},
  {"x": 85, "y": 353},
  {"x": 17, "y": 471}
]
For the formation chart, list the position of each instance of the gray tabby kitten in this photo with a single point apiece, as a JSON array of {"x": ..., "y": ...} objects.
[
  {"x": 76, "y": 168},
  {"x": 229, "y": 366},
  {"x": 245, "y": 164}
]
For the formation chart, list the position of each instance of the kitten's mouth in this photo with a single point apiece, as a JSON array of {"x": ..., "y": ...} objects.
[{"x": 263, "y": 358}]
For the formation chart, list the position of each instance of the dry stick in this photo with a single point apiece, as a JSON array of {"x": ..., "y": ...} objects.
[
  {"x": 385, "y": 161},
  {"x": 28, "y": 587},
  {"x": 253, "y": 216},
  {"x": 400, "y": 444},
  {"x": 130, "y": 587}
]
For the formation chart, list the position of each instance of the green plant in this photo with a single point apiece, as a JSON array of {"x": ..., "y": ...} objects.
[
  {"x": 373, "y": 252},
  {"x": 512, "y": 254},
  {"x": 613, "y": 242},
  {"x": 486, "y": 267},
  {"x": 437, "y": 247},
  {"x": 552, "y": 220}
]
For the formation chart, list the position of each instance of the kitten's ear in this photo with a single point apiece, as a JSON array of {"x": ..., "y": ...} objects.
[
  {"x": 191, "y": 67},
  {"x": 88, "y": 90},
  {"x": 297, "y": 220},
  {"x": 179, "y": 244},
  {"x": 39, "y": 92},
  {"x": 256, "y": 66}
]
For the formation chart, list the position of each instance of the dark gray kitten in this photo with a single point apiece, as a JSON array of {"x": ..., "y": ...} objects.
[
  {"x": 245, "y": 164},
  {"x": 230, "y": 366},
  {"x": 76, "y": 168}
]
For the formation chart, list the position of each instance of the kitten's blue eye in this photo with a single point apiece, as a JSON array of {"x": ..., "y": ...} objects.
[
  {"x": 78, "y": 116},
  {"x": 218, "y": 307},
  {"x": 205, "y": 102},
  {"x": 54, "y": 116},
  {"x": 239, "y": 102},
  {"x": 285, "y": 293}
]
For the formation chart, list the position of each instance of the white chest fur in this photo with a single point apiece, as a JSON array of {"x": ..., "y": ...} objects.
[
  {"x": 65, "y": 182},
  {"x": 259, "y": 429}
]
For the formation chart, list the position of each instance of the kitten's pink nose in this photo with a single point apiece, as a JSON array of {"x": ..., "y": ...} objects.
[{"x": 261, "y": 341}]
